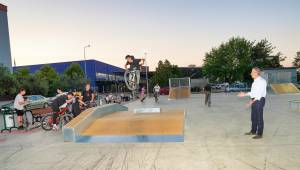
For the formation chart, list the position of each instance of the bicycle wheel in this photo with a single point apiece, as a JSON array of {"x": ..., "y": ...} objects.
[
  {"x": 66, "y": 118},
  {"x": 130, "y": 80},
  {"x": 47, "y": 122}
]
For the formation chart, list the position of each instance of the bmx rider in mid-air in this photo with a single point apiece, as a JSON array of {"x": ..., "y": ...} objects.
[{"x": 134, "y": 64}]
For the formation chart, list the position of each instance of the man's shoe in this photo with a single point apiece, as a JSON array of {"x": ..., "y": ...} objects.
[
  {"x": 250, "y": 133},
  {"x": 55, "y": 127},
  {"x": 257, "y": 137}
]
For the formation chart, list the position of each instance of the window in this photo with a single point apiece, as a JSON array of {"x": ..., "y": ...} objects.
[
  {"x": 39, "y": 97},
  {"x": 33, "y": 98},
  {"x": 101, "y": 76}
]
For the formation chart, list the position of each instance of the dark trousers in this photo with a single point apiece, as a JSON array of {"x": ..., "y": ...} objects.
[
  {"x": 208, "y": 99},
  {"x": 257, "y": 116}
]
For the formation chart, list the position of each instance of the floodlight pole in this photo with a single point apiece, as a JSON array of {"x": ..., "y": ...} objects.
[
  {"x": 85, "y": 59},
  {"x": 147, "y": 81}
]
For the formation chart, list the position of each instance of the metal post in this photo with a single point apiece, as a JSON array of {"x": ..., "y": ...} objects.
[
  {"x": 84, "y": 62},
  {"x": 146, "y": 74},
  {"x": 85, "y": 74}
]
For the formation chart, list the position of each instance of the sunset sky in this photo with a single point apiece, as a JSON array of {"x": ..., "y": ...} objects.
[{"x": 44, "y": 31}]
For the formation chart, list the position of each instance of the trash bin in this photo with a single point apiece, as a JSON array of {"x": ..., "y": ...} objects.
[{"x": 9, "y": 119}]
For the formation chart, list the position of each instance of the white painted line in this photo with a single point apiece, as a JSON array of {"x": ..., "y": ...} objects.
[{"x": 147, "y": 110}]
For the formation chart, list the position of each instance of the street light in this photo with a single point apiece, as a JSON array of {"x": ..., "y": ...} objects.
[
  {"x": 85, "y": 59},
  {"x": 147, "y": 81}
]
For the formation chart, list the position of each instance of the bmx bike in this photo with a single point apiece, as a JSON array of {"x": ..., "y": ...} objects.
[
  {"x": 64, "y": 117},
  {"x": 88, "y": 105},
  {"x": 131, "y": 79}
]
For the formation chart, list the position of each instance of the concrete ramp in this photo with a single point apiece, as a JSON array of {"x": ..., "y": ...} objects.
[
  {"x": 284, "y": 88},
  {"x": 114, "y": 123}
]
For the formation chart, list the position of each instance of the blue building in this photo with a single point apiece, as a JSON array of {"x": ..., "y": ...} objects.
[
  {"x": 5, "y": 55},
  {"x": 101, "y": 75}
]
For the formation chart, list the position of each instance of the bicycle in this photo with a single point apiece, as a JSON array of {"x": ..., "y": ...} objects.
[
  {"x": 88, "y": 105},
  {"x": 131, "y": 79},
  {"x": 64, "y": 117}
]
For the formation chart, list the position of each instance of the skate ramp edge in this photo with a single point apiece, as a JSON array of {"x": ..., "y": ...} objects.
[
  {"x": 284, "y": 88},
  {"x": 127, "y": 126},
  {"x": 82, "y": 121}
]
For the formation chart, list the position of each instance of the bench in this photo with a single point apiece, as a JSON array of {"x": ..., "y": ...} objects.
[
  {"x": 37, "y": 114},
  {"x": 291, "y": 102}
]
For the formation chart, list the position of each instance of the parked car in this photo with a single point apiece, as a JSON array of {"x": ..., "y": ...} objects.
[
  {"x": 215, "y": 86},
  {"x": 36, "y": 102},
  {"x": 8, "y": 106},
  {"x": 164, "y": 91},
  {"x": 238, "y": 87}
]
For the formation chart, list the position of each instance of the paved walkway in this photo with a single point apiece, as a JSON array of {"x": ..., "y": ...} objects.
[{"x": 213, "y": 140}]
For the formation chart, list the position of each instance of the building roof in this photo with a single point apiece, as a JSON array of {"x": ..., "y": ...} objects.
[
  {"x": 279, "y": 68},
  {"x": 3, "y": 8},
  {"x": 93, "y": 66},
  {"x": 193, "y": 72}
]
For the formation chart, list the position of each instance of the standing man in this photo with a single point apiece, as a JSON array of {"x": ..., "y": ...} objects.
[
  {"x": 19, "y": 106},
  {"x": 258, "y": 96},
  {"x": 88, "y": 96},
  {"x": 156, "y": 91},
  {"x": 207, "y": 91}
]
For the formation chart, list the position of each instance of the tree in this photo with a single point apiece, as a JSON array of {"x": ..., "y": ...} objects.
[
  {"x": 73, "y": 77},
  {"x": 232, "y": 61},
  {"x": 48, "y": 74},
  {"x": 8, "y": 83},
  {"x": 163, "y": 72},
  {"x": 74, "y": 71},
  {"x": 229, "y": 61},
  {"x": 296, "y": 61},
  {"x": 33, "y": 83},
  {"x": 22, "y": 74},
  {"x": 262, "y": 55}
]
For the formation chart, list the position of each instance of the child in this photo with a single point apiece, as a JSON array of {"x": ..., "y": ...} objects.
[
  {"x": 19, "y": 106},
  {"x": 143, "y": 94}
]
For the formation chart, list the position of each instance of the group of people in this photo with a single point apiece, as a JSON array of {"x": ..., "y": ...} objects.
[{"x": 75, "y": 103}]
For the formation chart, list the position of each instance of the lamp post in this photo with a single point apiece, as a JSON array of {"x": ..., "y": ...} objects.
[
  {"x": 147, "y": 81},
  {"x": 85, "y": 59}
]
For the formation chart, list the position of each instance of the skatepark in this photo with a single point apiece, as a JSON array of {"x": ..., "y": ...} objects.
[{"x": 213, "y": 139}]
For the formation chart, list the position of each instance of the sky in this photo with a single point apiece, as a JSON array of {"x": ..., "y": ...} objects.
[{"x": 182, "y": 31}]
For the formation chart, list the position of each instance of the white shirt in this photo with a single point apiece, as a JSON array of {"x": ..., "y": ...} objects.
[
  {"x": 156, "y": 88},
  {"x": 19, "y": 98},
  {"x": 258, "y": 88}
]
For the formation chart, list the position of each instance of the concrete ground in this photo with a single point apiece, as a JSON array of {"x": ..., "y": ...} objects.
[{"x": 214, "y": 139}]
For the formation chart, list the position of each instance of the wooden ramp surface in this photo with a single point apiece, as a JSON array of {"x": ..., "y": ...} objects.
[
  {"x": 284, "y": 88},
  {"x": 169, "y": 122}
]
